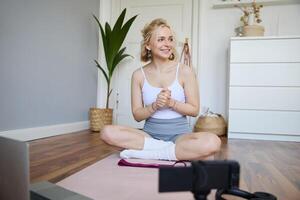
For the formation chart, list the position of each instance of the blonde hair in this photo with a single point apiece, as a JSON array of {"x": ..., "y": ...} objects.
[{"x": 147, "y": 32}]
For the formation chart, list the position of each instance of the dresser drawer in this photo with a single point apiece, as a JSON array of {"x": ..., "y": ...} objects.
[
  {"x": 275, "y": 122},
  {"x": 265, "y": 50},
  {"x": 265, "y": 98},
  {"x": 265, "y": 74}
]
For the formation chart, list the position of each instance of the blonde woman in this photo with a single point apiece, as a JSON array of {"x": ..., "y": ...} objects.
[{"x": 163, "y": 92}]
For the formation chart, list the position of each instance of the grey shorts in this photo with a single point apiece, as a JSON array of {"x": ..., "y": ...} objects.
[{"x": 166, "y": 129}]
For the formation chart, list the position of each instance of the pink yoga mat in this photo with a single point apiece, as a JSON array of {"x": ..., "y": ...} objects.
[{"x": 105, "y": 180}]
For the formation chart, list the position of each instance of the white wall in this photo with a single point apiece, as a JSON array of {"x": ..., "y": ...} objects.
[
  {"x": 216, "y": 28},
  {"x": 47, "y": 73}
]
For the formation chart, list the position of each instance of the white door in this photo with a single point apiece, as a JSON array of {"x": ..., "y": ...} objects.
[{"x": 179, "y": 15}]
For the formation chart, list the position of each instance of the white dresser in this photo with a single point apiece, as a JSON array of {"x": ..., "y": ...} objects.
[{"x": 264, "y": 88}]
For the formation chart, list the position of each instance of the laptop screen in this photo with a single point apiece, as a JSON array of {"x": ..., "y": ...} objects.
[
  {"x": 14, "y": 176},
  {"x": 14, "y": 169}
]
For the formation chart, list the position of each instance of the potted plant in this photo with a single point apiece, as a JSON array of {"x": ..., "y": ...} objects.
[
  {"x": 112, "y": 40},
  {"x": 251, "y": 19}
]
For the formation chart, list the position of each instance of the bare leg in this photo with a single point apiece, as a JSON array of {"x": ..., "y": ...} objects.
[
  {"x": 190, "y": 146},
  {"x": 197, "y": 146},
  {"x": 122, "y": 136}
]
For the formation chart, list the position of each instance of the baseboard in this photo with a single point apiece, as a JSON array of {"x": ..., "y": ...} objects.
[
  {"x": 272, "y": 137},
  {"x": 45, "y": 131}
]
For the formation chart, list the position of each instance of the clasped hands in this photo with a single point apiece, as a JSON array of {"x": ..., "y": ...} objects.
[{"x": 164, "y": 100}]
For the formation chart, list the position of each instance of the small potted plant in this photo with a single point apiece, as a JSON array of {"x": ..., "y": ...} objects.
[
  {"x": 251, "y": 20},
  {"x": 112, "y": 40}
]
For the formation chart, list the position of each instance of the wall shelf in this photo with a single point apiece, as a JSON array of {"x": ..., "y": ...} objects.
[{"x": 230, "y": 4}]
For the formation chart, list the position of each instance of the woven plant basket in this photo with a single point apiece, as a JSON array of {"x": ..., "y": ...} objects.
[
  {"x": 212, "y": 124},
  {"x": 99, "y": 118}
]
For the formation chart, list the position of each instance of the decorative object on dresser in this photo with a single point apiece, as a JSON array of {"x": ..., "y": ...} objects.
[
  {"x": 264, "y": 88},
  {"x": 250, "y": 19},
  {"x": 220, "y": 4},
  {"x": 112, "y": 40}
]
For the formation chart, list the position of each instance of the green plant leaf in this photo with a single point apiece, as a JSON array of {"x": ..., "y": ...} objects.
[
  {"x": 119, "y": 59},
  {"x": 123, "y": 32},
  {"x": 119, "y": 32},
  {"x": 109, "y": 39},
  {"x": 116, "y": 32},
  {"x": 116, "y": 58},
  {"x": 104, "y": 40},
  {"x": 122, "y": 51},
  {"x": 119, "y": 22},
  {"x": 103, "y": 71},
  {"x": 117, "y": 28}
]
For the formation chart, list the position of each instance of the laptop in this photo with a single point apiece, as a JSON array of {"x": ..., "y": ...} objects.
[{"x": 14, "y": 176}]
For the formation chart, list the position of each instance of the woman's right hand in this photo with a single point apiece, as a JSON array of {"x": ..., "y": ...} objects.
[{"x": 163, "y": 98}]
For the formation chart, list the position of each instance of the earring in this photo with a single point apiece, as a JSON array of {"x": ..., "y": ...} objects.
[
  {"x": 172, "y": 56},
  {"x": 149, "y": 55}
]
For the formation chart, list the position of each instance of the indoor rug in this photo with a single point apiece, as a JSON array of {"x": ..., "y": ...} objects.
[{"x": 105, "y": 180}]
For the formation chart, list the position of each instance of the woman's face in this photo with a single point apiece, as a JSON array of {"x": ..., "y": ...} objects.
[{"x": 161, "y": 43}]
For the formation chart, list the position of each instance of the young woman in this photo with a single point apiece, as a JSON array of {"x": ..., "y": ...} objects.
[{"x": 163, "y": 93}]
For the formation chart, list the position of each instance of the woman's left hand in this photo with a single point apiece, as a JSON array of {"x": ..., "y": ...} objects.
[{"x": 163, "y": 98}]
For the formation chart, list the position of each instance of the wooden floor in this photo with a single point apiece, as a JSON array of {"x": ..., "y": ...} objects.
[
  {"x": 55, "y": 158},
  {"x": 265, "y": 165}
]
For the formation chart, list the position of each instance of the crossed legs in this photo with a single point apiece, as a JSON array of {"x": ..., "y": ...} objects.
[{"x": 190, "y": 146}]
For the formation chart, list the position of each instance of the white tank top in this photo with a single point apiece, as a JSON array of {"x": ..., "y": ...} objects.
[{"x": 149, "y": 94}]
